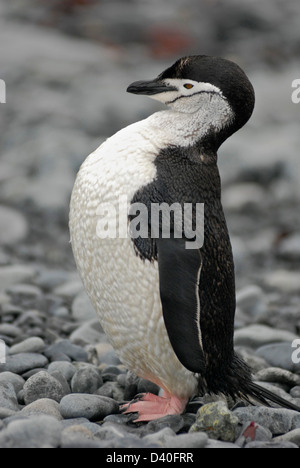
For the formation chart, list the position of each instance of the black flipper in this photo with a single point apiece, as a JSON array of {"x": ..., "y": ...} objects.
[{"x": 179, "y": 273}]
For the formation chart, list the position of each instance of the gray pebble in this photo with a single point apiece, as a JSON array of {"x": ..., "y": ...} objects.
[
  {"x": 74, "y": 434},
  {"x": 160, "y": 437},
  {"x": 74, "y": 352},
  {"x": 279, "y": 355},
  {"x": 275, "y": 374},
  {"x": 216, "y": 444},
  {"x": 270, "y": 445},
  {"x": 82, "y": 308},
  {"x": 185, "y": 441},
  {"x": 8, "y": 397},
  {"x": 39, "y": 431},
  {"x": 251, "y": 300},
  {"x": 33, "y": 344},
  {"x": 22, "y": 362},
  {"x": 65, "y": 368},
  {"x": 10, "y": 330},
  {"x": 252, "y": 431},
  {"x": 278, "y": 421},
  {"x": 43, "y": 406},
  {"x": 258, "y": 335},
  {"x": 112, "y": 390},
  {"x": 15, "y": 274},
  {"x": 17, "y": 381},
  {"x": 14, "y": 226},
  {"x": 86, "y": 380},
  {"x": 174, "y": 422},
  {"x": 93, "y": 407},
  {"x": 295, "y": 392},
  {"x": 292, "y": 436},
  {"x": 42, "y": 385},
  {"x": 88, "y": 333}
]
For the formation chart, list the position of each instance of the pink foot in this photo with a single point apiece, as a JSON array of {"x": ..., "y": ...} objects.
[{"x": 151, "y": 407}]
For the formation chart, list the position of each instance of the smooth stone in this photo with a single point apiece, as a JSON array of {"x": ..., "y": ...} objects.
[
  {"x": 8, "y": 397},
  {"x": 112, "y": 390},
  {"x": 289, "y": 247},
  {"x": 252, "y": 431},
  {"x": 43, "y": 406},
  {"x": 6, "y": 413},
  {"x": 74, "y": 352},
  {"x": 160, "y": 437},
  {"x": 10, "y": 330},
  {"x": 185, "y": 441},
  {"x": 295, "y": 392},
  {"x": 82, "y": 308},
  {"x": 74, "y": 433},
  {"x": 38, "y": 431},
  {"x": 218, "y": 444},
  {"x": 69, "y": 290},
  {"x": 92, "y": 407},
  {"x": 174, "y": 422},
  {"x": 284, "y": 280},
  {"x": 24, "y": 290},
  {"x": 292, "y": 436},
  {"x": 14, "y": 274},
  {"x": 65, "y": 368},
  {"x": 251, "y": 300},
  {"x": 33, "y": 344},
  {"x": 217, "y": 421},
  {"x": 86, "y": 380},
  {"x": 278, "y": 421},
  {"x": 42, "y": 385},
  {"x": 279, "y": 355},
  {"x": 14, "y": 226},
  {"x": 89, "y": 333},
  {"x": 258, "y": 335},
  {"x": 269, "y": 445},
  {"x": 16, "y": 380},
  {"x": 243, "y": 196},
  {"x": 277, "y": 375},
  {"x": 110, "y": 431},
  {"x": 23, "y": 362}
]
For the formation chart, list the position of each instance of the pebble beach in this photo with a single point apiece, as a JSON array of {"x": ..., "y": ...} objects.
[{"x": 66, "y": 65}]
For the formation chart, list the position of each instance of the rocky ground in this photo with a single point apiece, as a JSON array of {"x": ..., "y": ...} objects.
[{"x": 66, "y": 65}]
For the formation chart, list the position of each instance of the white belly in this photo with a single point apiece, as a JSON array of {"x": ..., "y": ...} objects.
[{"x": 124, "y": 289}]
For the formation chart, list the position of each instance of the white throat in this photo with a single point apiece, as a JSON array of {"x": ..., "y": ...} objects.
[{"x": 182, "y": 128}]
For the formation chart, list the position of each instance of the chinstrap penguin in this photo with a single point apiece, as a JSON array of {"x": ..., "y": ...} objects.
[{"x": 168, "y": 311}]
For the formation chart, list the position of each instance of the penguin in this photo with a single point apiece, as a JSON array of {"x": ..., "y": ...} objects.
[{"x": 167, "y": 303}]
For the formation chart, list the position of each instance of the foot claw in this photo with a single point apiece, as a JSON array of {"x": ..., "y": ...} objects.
[{"x": 150, "y": 407}]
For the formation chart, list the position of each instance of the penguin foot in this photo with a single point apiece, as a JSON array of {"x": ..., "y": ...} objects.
[{"x": 150, "y": 406}]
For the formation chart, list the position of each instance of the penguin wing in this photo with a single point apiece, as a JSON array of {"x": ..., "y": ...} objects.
[{"x": 179, "y": 275}]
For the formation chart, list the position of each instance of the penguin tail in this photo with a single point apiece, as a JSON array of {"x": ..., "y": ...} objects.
[
  {"x": 235, "y": 380},
  {"x": 263, "y": 396}
]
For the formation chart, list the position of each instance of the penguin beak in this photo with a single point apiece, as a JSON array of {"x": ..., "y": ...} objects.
[{"x": 149, "y": 88}]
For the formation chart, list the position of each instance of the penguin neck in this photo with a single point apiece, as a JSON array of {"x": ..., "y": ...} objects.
[{"x": 208, "y": 123}]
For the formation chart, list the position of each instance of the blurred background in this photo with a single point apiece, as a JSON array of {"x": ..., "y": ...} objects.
[{"x": 67, "y": 64}]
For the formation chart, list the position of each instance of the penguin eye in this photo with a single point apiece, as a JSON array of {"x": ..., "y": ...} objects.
[{"x": 188, "y": 85}]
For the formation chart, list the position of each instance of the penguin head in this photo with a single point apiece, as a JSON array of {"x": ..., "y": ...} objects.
[{"x": 216, "y": 84}]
